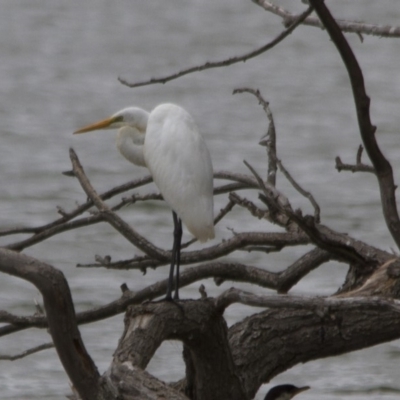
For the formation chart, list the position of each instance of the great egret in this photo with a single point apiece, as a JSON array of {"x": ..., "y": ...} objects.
[{"x": 167, "y": 142}]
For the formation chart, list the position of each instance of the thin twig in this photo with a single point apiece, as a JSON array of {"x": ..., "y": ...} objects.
[
  {"x": 269, "y": 139},
  {"x": 43, "y": 232},
  {"x": 236, "y": 242},
  {"x": 262, "y": 249},
  {"x": 303, "y": 192},
  {"x": 308, "y": 225},
  {"x": 358, "y": 167},
  {"x": 113, "y": 219},
  {"x": 250, "y": 206},
  {"x": 81, "y": 208},
  {"x": 64, "y": 224},
  {"x": 340, "y": 166},
  {"x": 28, "y": 352},
  {"x": 224, "y": 63},
  {"x": 346, "y": 26},
  {"x": 273, "y": 160}
]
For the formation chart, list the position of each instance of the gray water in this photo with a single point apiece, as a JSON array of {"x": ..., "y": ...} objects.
[{"x": 59, "y": 67}]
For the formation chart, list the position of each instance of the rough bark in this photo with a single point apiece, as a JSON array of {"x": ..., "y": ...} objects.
[
  {"x": 61, "y": 318},
  {"x": 220, "y": 363},
  {"x": 233, "y": 364},
  {"x": 202, "y": 329},
  {"x": 383, "y": 169},
  {"x": 269, "y": 343}
]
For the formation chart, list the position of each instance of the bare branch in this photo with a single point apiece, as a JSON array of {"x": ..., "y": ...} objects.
[
  {"x": 262, "y": 249},
  {"x": 340, "y": 166},
  {"x": 337, "y": 248},
  {"x": 236, "y": 242},
  {"x": 382, "y": 166},
  {"x": 64, "y": 224},
  {"x": 218, "y": 270},
  {"x": 300, "y": 268},
  {"x": 224, "y": 63},
  {"x": 114, "y": 220},
  {"x": 317, "y": 304},
  {"x": 206, "y": 349},
  {"x": 250, "y": 206},
  {"x": 346, "y": 26},
  {"x": 303, "y": 192},
  {"x": 223, "y": 271},
  {"x": 224, "y": 211},
  {"x": 67, "y": 216},
  {"x": 54, "y": 230},
  {"x": 269, "y": 139},
  {"x": 313, "y": 333},
  {"x": 282, "y": 281},
  {"x": 273, "y": 160},
  {"x": 358, "y": 167},
  {"x": 61, "y": 319},
  {"x": 26, "y": 353},
  {"x": 6, "y": 317}
]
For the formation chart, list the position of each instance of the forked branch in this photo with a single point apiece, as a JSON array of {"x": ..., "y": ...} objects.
[
  {"x": 382, "y": 166},
  {"x": 61, "y": 319},
  {"x": 359, "y": 28}
]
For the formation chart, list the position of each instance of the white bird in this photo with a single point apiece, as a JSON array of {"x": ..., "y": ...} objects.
[{"x": 167, "y": 142}]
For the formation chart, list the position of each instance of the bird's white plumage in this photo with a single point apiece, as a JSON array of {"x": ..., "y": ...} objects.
[
  {"x": 178, "y": 159},
  {"x": 168, "y": 142},
  {"x": 130, "y": 144}
]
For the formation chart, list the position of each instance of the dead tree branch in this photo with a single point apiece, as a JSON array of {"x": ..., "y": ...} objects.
[
  {"x": 324, "y": 332},
  {"x": 381, "y": 165},
  {"x": 224, "y": 63},
  {"x": 346, "y": 26},
  {"x": 114, "y": 220},
  {"x": 61, "y": 320},
  {"x": 204, "y": 334},
  {"x": 269, "y": 139},
  {"x": 28, "y": 352},
  {"x": 317, "y": 304},
  {"x": 60, "y": 225},
  {"x": 358, "y": 167}
]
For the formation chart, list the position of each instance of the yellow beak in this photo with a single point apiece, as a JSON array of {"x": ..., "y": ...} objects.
[{"x": 98, "y": 125}]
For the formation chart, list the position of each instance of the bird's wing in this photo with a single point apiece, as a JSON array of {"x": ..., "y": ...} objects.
[{"x": 180, "y": 163}]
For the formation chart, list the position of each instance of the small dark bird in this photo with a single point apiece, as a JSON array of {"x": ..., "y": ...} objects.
[{"x": 284, "y": 392}]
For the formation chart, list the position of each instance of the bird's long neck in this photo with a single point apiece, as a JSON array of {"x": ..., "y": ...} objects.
[{"x": 130, "y": 144}]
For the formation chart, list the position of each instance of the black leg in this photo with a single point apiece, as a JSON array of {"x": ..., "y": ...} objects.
[
  {"x": 178, "y": 238},
  {"x": 175, "y": 257}
]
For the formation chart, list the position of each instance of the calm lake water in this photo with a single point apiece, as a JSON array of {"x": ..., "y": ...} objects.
[{"x": 59, "y": 67}]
